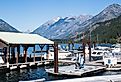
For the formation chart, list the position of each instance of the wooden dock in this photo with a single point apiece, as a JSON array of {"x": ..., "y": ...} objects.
[
  {"x": 71, "y": 71},
  {"x": 25, "y": 65}
]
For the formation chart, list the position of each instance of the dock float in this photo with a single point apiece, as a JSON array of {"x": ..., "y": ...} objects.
[
  {"x": 71, "y": 71},
  {"x": 113, "y": 69}
]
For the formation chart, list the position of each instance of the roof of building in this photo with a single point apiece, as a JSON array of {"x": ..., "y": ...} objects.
[{"x": 23, "y": 38}]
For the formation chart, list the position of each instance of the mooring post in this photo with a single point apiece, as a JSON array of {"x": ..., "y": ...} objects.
[
  {"x": 84, "y": 51},
  {"x": 55, "y": 57},
  {"x": 89, "y": 44},
  {"x": 83, "y": 43}
]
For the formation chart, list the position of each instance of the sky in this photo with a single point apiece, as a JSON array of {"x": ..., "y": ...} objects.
[{"x": 27, "y": 15}]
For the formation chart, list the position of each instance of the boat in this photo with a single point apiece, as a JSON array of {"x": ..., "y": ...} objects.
[
  {"x": 98, "y": 54},
  {"x": 62, "y": 54},
  {"x": 116, "y": 48}
]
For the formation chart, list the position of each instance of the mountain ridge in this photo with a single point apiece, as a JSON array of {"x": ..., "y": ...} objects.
[
  {"x": 60, "y": 26},
  {"x": 65, "y": 29},
  {"x": 108, "y": 31},
  {"x": 5, "y": 27}
]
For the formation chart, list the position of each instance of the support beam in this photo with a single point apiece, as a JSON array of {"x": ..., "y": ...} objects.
[
  {"x": 25, "y": 53},
  {"x": 13, "y": 54},
  {"x": 5, "y": 54},
  {"x": 55, "y": 57},
  {"x": 18, "y": 53},
  {"x": 34, "y": 52},
  {"x": 9, "y": 53},
  {"x": 47, "y": 56}
]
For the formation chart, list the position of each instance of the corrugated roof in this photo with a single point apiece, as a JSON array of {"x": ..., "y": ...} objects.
[{"x": 22, "y": 38}]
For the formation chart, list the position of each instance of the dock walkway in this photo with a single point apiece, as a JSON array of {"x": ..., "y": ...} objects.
[
  {"x": 24, "y": 65},
  {"x": 71, "y": 71}
]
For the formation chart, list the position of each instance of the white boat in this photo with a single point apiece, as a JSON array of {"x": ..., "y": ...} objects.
[
  {"x": 98, "y": 54},
  {"x": 61, "y": 53},
  {"x": 116, "y": 48}
]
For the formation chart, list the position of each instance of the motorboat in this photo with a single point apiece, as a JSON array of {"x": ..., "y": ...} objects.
[
  {"x": 116, "y": 48},
  {"x": 62, "y": 54},
  {"x": 98, "y": 54}
]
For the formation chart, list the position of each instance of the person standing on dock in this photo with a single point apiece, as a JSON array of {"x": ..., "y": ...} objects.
[
  {"x": 77, "y": 64},
  {"x": 81, "y": 62}
]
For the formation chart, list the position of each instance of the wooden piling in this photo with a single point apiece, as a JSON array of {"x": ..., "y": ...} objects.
[
  {"x": 84, "y": 51},
  {"x": 55, "y": 57},
  {"x": 89, "y": 44},
  {"x": 83, "y": 43}
]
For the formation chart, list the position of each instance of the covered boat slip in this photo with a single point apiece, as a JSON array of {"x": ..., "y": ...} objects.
[{"x": 10, "y": 44}]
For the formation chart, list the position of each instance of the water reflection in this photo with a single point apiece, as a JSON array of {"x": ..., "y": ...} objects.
[
  {"x": 23, "y": 74},
  {"x": 38, "y": 73}
]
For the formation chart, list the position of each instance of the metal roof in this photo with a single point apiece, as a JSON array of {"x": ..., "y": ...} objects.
[{"x": 23, "y": 38}]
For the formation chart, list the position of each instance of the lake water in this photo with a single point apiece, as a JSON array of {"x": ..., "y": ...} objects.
[
  {"x": 38, "y": 73},
  {"x": 27, "y": 74}
]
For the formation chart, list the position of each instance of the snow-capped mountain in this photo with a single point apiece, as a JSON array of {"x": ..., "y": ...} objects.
[
  {"x": 61, "y": 28},
  {"x": 56, "y": 27}
]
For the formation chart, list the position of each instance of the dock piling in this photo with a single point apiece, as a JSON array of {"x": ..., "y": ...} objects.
[{"x": 55, "y": 57}]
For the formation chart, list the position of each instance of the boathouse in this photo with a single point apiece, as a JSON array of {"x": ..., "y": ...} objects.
[{"x": 11, "y": 43}]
